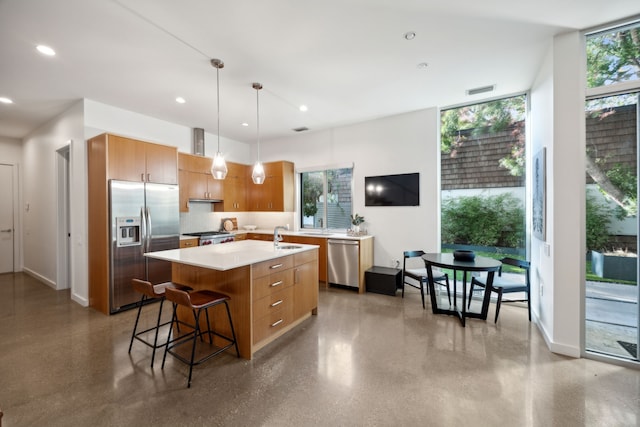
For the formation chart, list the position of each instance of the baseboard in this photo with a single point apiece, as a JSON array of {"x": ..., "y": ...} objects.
[
  {"x": 84, "y": 302},
  {"x": 554, "y": 347},
  {"x": 40, "y": 277}
]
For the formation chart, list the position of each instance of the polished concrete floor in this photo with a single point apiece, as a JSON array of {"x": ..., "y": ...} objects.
[{"x": 365, "y": 360}]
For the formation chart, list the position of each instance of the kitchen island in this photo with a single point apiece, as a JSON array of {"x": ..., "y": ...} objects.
[{"x": 272, "y": 290}]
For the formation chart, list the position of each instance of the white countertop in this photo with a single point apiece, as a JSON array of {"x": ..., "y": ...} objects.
[
  {"x": 301, "y": 233},
  {"x": 227, "y": 256}
]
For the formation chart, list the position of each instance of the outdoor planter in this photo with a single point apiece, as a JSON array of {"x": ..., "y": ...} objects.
[{"x": 611, "y": 266}]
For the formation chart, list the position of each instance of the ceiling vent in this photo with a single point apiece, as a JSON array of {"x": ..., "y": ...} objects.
[
  {"x": 301, "y": 129},
  {"x": 198, "y": 141},
  {"x": 482, "y": 89}
]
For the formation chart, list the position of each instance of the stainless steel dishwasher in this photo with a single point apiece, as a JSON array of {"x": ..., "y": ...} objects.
[{"x": 343, "y": 260}]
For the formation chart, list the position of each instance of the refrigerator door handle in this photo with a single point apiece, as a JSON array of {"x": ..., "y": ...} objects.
[
  {"x": 143, "y": 232},
  {"x": 149, "y": 229}
]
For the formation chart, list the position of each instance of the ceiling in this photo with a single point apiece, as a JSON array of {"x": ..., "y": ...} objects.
[{"x": 347, "y": 60}]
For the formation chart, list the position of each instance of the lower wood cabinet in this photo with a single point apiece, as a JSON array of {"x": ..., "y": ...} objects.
[{"x": 285, "y": 290}]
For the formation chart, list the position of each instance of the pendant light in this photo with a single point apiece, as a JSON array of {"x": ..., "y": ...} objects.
[
  {"x": 219, "y": 167},
  {"x": 258, "y": 170}
]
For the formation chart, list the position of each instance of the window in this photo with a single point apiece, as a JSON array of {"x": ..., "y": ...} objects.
[
  {"x": 326, "y": 198},
  {"x": 613, "y": 56},
  {"x": 482, "y": 166}
]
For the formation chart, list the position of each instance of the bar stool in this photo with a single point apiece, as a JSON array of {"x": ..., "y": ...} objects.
[
  {"x": 197, "y": 302},
  {"x": 150, "y": 292}
]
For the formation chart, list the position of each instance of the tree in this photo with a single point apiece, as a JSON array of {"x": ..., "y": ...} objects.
[
  {"x": 488, "y": 117},
  {"x": 612, "y": 57}
]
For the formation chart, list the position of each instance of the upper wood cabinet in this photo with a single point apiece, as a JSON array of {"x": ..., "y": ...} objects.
[
  {"x": 235, "y": 188},
  {"x": 237, "y": 191},
  {"x": 196, "y": 181},
  {"x": 132, "y": 160},
  {"x": 277, "y": 192}
]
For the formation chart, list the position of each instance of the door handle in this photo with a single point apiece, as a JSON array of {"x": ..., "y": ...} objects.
[{"x": 7, "y": 230}]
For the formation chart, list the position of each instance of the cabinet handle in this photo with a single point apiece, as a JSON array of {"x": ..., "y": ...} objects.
[
  {"x": 275, "y": 266},
  {"x": 278, "y": 283},
  {"x": 295, "y": 275},
  {"x": 148, "y": 177},
  {"x": 277, "y": 323},
  {"x": 142, "y": 177},
  {"x": 276, "y": 303}
]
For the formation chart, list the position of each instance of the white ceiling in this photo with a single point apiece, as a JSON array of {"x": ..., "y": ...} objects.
[{"x": 346, "y": 59}]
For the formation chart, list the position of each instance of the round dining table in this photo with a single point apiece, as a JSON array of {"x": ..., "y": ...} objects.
[{"x": 447, "y": 261}]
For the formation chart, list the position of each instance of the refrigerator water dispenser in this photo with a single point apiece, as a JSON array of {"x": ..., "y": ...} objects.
[{"x": 128, "y": 231}]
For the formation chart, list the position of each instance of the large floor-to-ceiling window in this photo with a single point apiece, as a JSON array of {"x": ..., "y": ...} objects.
[
  {"x": 483, "y": 152},
  {"x": 611, "y": 114}
]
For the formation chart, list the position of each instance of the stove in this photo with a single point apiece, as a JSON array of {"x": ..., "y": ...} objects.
[{"x": 212, "y": 237}]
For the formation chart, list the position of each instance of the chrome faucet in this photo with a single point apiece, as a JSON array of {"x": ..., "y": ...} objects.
[{"x": 276, "y": 236}]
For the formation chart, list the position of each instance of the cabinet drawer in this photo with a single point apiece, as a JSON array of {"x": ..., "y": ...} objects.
[
  {"x": 273, "y": 303},
  {"x": 267, "y": 285},
  {"x": 272, "y": 323},
  {"x": 272, "y": 266}
]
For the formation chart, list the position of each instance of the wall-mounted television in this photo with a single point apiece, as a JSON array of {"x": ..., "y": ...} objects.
[{"x": 392, "y": 190}]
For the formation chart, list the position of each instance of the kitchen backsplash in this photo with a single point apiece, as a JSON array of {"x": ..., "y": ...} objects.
[{"x": 200, "y": 218}]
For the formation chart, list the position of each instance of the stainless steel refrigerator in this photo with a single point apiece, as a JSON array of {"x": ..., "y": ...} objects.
[{"x": 144, "y": 217}]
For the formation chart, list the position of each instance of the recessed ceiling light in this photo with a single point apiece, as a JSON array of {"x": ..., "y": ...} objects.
[
  {"x": 410, "y": 35},
  {"x": 45, "y": 50},
  {"x": 245, "y": 124},
  {"x": 180, "y": 100},
  {"x": 5, "y": 100},
  {"x": 303, "y": 108},
  {"x": 422, "y": 65}
]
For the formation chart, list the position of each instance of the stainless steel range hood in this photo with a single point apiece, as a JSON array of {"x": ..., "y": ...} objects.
[{"x": 198, "y": 141}]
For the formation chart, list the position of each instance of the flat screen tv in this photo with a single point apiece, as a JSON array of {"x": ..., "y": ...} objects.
[{"x": 392, "y": 190}]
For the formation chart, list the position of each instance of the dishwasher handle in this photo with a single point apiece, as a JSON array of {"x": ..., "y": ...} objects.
[{"x": 342, "y": 242}]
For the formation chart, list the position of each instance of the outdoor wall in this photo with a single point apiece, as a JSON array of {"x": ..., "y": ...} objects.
[
  {"x": 475, "y": 163},
  {"x": 404, "y": 143}
]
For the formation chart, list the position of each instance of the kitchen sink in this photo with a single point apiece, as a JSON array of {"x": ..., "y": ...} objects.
[
  {"x": 316, "y": 233},
  {"x": 289, "y": 247}
]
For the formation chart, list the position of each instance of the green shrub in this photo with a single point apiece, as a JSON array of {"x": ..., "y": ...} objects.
[
  {"x": 598, "y": 218},
  {"x": 483, "y": 221}
]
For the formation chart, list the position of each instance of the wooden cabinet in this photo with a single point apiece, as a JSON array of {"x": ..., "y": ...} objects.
[
  {"x": 285, "y": 290},
  {"x": 260, "y": 236},
  {"x": 116, "y": 157},
  {"x": 305, "y": 283},
  {"x": 235, "y": 188},
  {"x": 188, "y": 243},
  {"x": 236, "y": 192},
  {"x": 133, "y": 160},
  {"x": 322, "y": 252},
  {"x": 272, "y": 297},
  {"x": 196, "y": 181},
  {"x": 277, "y": 192}
]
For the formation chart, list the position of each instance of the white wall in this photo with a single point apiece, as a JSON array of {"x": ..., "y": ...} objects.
[
  {"x": 11, "y": 154},
  {"x": 399, "y": 144},
  {"x": 557, "y": 123},
  {"x": 40, "y": 200}
]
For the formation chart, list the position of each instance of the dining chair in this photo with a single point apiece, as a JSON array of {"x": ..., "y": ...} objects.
[
  {"x": 504, "y": 285},
  {"x": 420, "y": 276}
]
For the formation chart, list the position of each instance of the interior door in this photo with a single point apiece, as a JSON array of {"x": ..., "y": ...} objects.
[{"x": 6, "y": 219}]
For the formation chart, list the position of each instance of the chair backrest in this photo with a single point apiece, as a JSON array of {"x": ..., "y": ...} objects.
[
  {"x": 410, "y": 254},
  {"x": 143, "y": 287},
  {"x": 178, "y": 296},
  {"x": 525, "y": 265}
]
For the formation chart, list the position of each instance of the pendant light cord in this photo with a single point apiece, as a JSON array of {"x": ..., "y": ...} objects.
[
  {"x": 258, "y": 119},
  {"x": 218, "y": 103}
]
